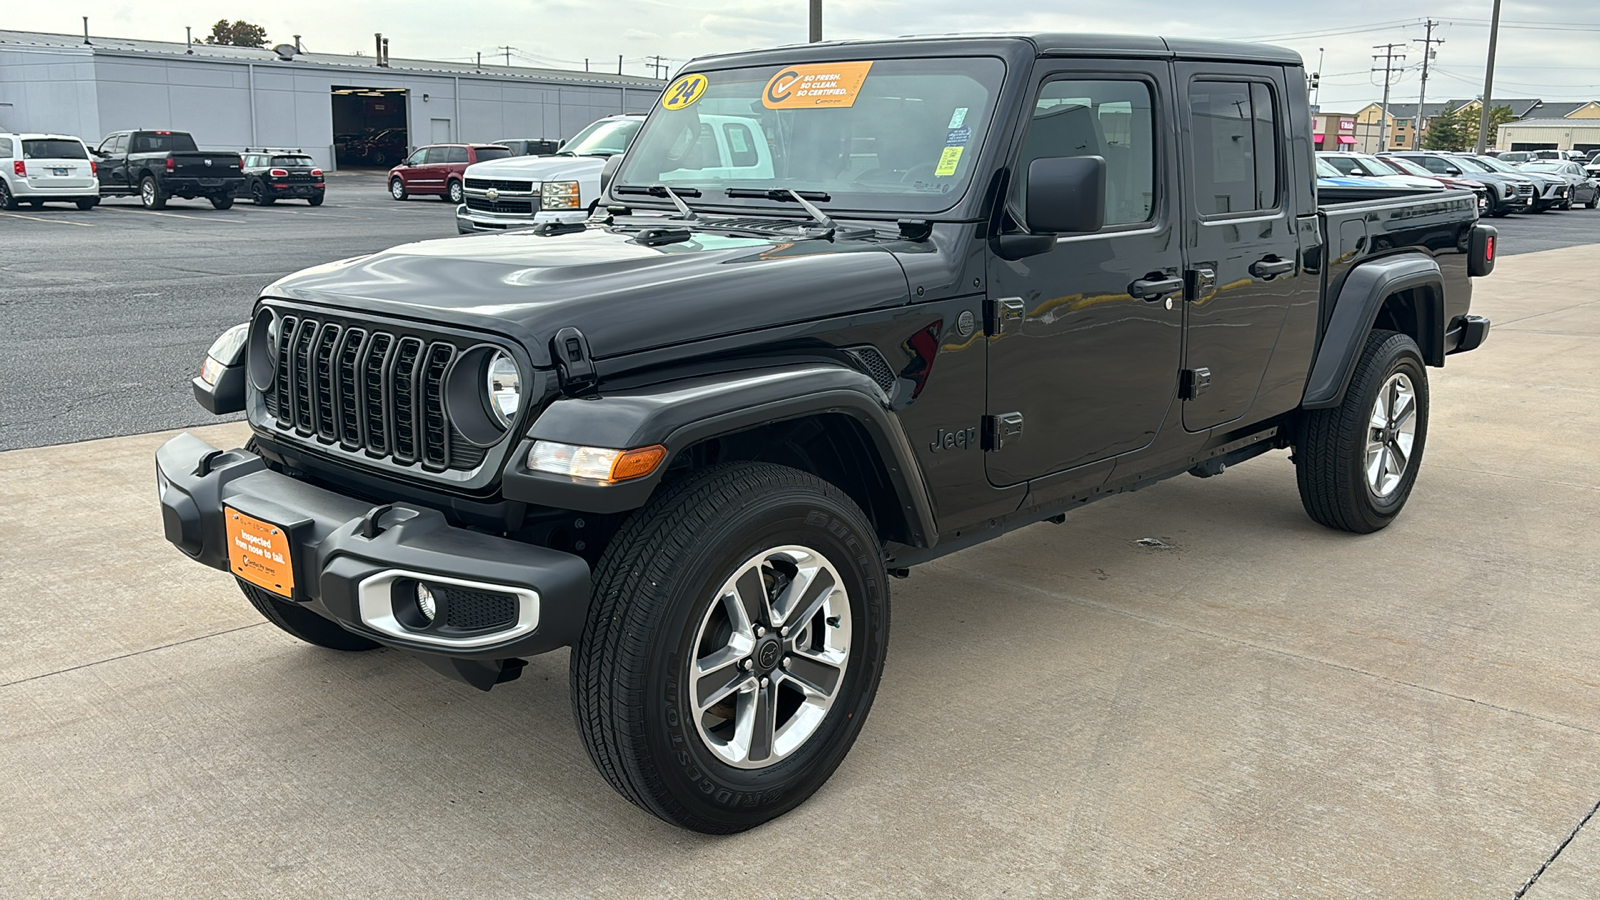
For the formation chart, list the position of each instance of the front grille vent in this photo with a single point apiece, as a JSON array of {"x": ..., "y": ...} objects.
[
  {"x": 477, "y": 610},
  {"x": 499, "y": 184},
  {"x": 367, "y": 390},
  {"x": 523, "y": 207}
]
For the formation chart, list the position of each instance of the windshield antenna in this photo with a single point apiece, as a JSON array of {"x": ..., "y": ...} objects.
[
  {"x": 815, "y": 213},
  {"x": 661, "y": 190}
]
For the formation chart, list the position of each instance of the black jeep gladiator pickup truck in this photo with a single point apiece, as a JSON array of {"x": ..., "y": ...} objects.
[
  {"x": 851, "y": 307},
  {"x": 158, "y": 165}
]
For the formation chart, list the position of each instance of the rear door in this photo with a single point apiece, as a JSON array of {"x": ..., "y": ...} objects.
[
  {"x": 58, "y": 165},
  {"x": 1243, "y": 249},
  {"x": 1083, "y": 345}
]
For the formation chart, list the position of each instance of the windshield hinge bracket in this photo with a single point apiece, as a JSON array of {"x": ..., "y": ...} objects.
[{"x": 576, "y": 367}]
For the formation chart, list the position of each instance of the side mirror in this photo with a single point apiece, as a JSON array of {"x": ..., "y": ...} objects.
[
  {"x": 1066, "y": 195},
  {"x": 561, "y": 143},
  {"x": 609, "y": 171},
  {"x": 1451, "y": 170}
]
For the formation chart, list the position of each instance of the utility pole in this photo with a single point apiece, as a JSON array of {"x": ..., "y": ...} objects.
[
  {"x": 507, "y": 51},
  {"x": 1390, "y": 60},
  {"x": 1316, "y": 78},
  {"x": 1488, "y": 82},
  {"x": 816, "y": 21},
  {"x": 656, "y": 65},
  {"x": 1422, "y": 95}
]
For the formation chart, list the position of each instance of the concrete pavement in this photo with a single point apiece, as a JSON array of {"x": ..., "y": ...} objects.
[{"x": 1258, "y": 708}]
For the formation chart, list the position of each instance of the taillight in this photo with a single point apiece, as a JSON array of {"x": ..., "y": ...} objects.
[
  {"x": 21, "y": 168},
  {"x": 279, "y": 173},
  {"x": 1488, "y": 249},
  {"x": 316, "y": 173},
  {"x": 170, "y": 164},
  {"x": 93, "y": 169}
]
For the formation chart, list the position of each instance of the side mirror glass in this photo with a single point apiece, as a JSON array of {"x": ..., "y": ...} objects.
[
  {"x": 609, "y": 171},
  {"x": 1066, "y": 195},
  {"x": 1451, "y": 170},
  {"x": 561, "y": 143}
]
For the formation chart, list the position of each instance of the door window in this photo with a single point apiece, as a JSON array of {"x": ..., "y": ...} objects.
[
  {"x": 5, "y": 148},
  {"x": 436, "y": 155},
  {"x": 1236, "y": 150},
  {"x": 1108, "y": 119},
  {"x": 417, "y": 158},
  {"x": 455, "y": 154}
]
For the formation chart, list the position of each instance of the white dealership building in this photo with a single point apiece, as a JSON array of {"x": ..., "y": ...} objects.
[{"x": 230, "y": 98}]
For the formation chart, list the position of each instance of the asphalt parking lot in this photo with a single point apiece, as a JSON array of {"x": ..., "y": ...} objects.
[
  {"x": 105, "y": 315},
  {"x": 1247, "y": 706}
]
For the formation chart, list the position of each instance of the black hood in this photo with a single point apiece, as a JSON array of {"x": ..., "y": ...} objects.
[{"x": 624, "y": 296}]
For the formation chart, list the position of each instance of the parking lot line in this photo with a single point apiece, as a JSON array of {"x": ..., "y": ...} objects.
[
  {"x": 51, "y": 221},
  {"x": 151, "y": 212}
]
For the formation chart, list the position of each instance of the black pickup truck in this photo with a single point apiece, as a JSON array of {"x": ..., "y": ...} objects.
[
  {"x": 158, "y": 165},
  {"x": 851, "y": 307}
]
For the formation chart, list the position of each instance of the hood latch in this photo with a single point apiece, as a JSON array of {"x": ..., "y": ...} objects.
[{"x": 571, "y": 352}]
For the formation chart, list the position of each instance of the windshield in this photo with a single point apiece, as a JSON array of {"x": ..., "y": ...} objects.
[
  {"x": 1342, "y": 165},
  {"x": 1325, "y": 169},
  {"x": 1377, "y": 166},
  {"x": 898, "y": 134},
  {"x": 1544, "y": 167},
  {"x": 291, "y": 160},
  {"x": 1407, "y": 167},
  {"x": 607, "y": 137},
  {"x": 53, "y": 149},
  {"x": 1473, "y": 165},
  {"x": 1493, "y": 165}
]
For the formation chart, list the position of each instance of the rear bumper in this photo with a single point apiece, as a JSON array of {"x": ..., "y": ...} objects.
[
  {"x": 198, "y": 186},
  {"x": 1466, "y": 333},
  {"x": 347, "y": 555}
]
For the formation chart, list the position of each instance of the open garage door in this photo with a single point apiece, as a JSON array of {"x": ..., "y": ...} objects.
[{"x": 370, "y": 127}]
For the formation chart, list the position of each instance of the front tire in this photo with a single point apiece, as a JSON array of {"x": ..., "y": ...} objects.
[
  {"x": 303, "y": 623},
  {"x": 258, "y": 195},
  {"x": 88, "y": 203},
  {"x": 397, "y": 189},
  {"x": 221, "y": 201},
  {"x": 735, "y": 641},
  {"x": 1357, "y": 462}
]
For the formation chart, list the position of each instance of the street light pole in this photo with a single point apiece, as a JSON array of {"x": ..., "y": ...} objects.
[
  {"x": 816, "y": 21},
  {"x": 1488, "y": 82}
]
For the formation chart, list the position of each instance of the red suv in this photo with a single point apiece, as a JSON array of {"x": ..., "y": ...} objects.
[{"x": 437, "y": 168}]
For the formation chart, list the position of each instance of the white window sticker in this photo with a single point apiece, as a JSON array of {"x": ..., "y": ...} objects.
[{"x": 959, "y": 116}]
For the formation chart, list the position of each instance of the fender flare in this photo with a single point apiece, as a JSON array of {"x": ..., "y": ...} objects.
[
  {"x": 679, "y": 414},
  {"x": 1356, "y": 310}
]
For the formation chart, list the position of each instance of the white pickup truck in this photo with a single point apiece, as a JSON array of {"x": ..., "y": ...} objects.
[
  {"x": 523, "y": 190},
  {"x": 519, "y": 191}
]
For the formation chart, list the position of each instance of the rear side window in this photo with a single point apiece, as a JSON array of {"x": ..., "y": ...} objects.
[
  {"x": 6, "y": 147},
  {"x": 455, "y": 154},
  {"x": 437, "y": 155},
  {"x": 1236, "y": 152},
  {"x": 53, "y": 149},
  {"x": 485, "y": 153}
]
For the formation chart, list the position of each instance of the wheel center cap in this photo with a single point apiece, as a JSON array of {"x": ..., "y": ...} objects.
[{"x": 768, "y": 652}]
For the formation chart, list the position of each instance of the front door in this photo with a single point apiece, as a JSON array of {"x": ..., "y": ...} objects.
[
  {"x": 1085, "y": 339},
  {"x": 1243, "y": 247}
]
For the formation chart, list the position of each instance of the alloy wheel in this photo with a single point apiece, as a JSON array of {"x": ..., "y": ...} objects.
[
  {"x": 769, "y": 656},
  {"x": 1391, "y": 433}
]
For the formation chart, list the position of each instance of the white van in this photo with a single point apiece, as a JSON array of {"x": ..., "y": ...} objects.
[{"x": 36, "y": 168}]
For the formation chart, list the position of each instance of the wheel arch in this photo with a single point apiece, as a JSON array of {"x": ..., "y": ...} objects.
[
  {"x": 1403, "y": 293},
  {"x": 823, "y": 418}
]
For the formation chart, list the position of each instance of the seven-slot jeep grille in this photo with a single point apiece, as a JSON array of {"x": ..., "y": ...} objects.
[{"x": 367, "y": 389}]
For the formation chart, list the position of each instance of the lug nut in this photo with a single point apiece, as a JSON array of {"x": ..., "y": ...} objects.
[
  {"x": 784, "y": 631},
  {"x": 748, "y": 665},
  {"x": 786, "y": 662},
  {"x": 760, "y": 632},
  {"x": 765, "y": 682}
]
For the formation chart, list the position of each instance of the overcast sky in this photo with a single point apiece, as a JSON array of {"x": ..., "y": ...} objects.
[{"x": 1549, "y": 49}]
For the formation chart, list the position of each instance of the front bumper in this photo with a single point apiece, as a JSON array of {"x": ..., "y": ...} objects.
[
  {"x": 346, "y": 552},
  {"x": 469, "y": 221}
]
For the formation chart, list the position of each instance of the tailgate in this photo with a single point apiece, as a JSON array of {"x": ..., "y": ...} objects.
[{"x": 202, "y": 164}]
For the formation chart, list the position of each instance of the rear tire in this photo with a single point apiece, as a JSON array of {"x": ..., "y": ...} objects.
[
  {"x": 88, "y": 203},
  {"x": 1593, "y": 202},
  {"x": 1347, "y": 457},
  {"x": 315, "y": 200},
  {"x": 7, "y": 201},
  {"x": 744, "y": 563},
  {"x": 150, "y": 193},
  {"x": 452, "y": 193},
  {"x": 221, "y": 201},
  {"x": 258, "y": 195},
  {"x": 303, "y": 623}
]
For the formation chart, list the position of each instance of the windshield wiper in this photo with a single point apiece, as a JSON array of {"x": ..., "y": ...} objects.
[
  {"x": 661, "y": 190},
  {"x": 785, "y": 194}
]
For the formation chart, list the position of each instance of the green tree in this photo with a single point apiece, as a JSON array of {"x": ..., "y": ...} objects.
[
  {"x": 1448, "y": 131},
  {"x": 1498, "y": 116},
  {"x": 237, "y": 34}
]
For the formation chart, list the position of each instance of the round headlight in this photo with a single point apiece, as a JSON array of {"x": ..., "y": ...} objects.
[{"x": 504, "y": 388}]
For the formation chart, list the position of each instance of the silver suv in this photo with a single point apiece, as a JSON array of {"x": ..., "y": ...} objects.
[{"x": 36, "y": 168}]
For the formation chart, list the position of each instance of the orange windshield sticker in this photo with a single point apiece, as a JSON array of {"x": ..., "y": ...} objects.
[{"x": 818, "y": 86}]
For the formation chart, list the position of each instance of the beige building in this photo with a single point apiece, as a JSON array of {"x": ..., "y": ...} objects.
[
  {"x": 1576, "y": 133},
  {"x": 1334, "y": 131}
]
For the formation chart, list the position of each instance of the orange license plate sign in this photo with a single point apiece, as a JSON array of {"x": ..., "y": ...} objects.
[{"x": 258, "y": 552}]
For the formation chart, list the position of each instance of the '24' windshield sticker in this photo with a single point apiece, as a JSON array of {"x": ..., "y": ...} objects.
[
  {"x": 684, "y": 92},
  {"x": 817, "y": 86}
]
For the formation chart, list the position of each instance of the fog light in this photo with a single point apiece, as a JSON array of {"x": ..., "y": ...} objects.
[{"x": 426, "y": 605}]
